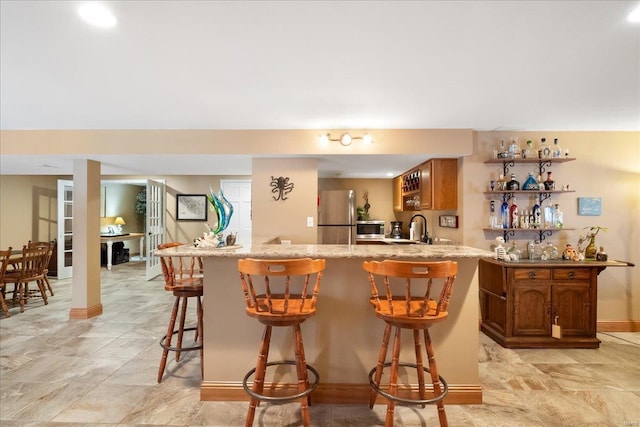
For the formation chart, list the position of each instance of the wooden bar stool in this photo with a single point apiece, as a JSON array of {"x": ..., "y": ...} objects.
[
  {"x": 182, "y": 276},
  {"x": 276, "y": 293},
  {"x": 407, "y": 302}
]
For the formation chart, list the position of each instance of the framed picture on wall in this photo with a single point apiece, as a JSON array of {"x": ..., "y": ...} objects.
[{"x": 191, "y": 207}]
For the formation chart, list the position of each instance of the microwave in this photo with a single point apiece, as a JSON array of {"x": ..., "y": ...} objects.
[{"x": 370, "y": 230}]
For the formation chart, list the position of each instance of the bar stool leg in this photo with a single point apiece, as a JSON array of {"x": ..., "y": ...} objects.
[
  {"x": 437, "y": 387},
  {"x": 303, "y": 380},
  {"x": 167, "y": 341},
  {"x": 393, "y": 380},
  {"x": 183, "y": 316},
  {"x": 419, "y": 364},
  {"x": 258, "y": 381},
  {"x": 380, "y": 366}
]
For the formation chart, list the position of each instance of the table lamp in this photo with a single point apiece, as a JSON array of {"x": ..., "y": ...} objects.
[{"x": 119, "y": 222}]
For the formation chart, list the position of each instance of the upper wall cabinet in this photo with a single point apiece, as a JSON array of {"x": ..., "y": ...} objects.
[
  {"x": 439, "y": 184},
  {"x": 431, "y": 185}
]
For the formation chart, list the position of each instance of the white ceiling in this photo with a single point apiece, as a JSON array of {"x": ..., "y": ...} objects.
[{"x": 512, "y": 65}]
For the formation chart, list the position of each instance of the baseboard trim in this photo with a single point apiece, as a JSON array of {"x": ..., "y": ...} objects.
[
  {"x": 459, "y": 394},
  {"x": 618, "y": 326},
  {"x": 85, "y": 313}
]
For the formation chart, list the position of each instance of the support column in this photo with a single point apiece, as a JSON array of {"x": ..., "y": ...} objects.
[{"x": 85, "y": 293}]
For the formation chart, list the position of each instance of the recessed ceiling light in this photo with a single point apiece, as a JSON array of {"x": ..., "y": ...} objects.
[
  {"x": 97, "y": 15},
  {"x": 635, "y": 15},
  {"x": 389, "y": 174}
]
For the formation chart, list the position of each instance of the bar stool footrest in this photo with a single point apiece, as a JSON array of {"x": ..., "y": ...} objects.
[
  {"x": 435, "y": 399},
  {"x": 281, "y": 399},
  {"x": 172, "y": 348}
]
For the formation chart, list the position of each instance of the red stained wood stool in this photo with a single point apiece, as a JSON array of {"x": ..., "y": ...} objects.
[
  {"x": 415, "y": 296},
  {"x": 281, "y": 293}
]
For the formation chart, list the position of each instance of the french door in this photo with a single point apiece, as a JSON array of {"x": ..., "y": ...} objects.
[
  {"x": 155, "y": 225},
  {"x": 65, "y": 229}
]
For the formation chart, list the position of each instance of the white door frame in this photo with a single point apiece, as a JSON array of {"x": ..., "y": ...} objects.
[
  {"x": 155, "y": 225},
  {"x": 65, "y": 229}
]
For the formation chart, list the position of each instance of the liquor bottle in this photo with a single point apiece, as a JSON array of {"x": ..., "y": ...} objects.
[
  {"x": 531, "y": 249},
  {"x": 514, "y": 148},
  {"x": 513, "y": 184},
  {"x": 503, "y": 151},
  {"x": 601, "y": 255},
  {"x": 524, "y": 220},
  {"x": 549, "y": 221},
  {"x": 527, "y": 153},
  {"x": 556, "y": 151},
  {"x": 540, "y": 183},
  {"x": 544, "y": 149},
  {"x": 504, "y": 214},
  {"x": 493, "y": 220},
  {"x": 536, "y": 212},
  {"x": 530, "y": 183},
  {"x": 513, "y": 213},
  {"x": 549, "y": 183},
  {"x": 558, "y": 217},
  {"x": 513, "y": 251}
]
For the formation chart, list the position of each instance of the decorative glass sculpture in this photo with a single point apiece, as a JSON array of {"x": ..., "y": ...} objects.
[{"x": 223, "y": 209}]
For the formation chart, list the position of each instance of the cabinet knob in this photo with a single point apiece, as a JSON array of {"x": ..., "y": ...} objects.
[
  {"x": 572, "y": 275},
  {"x": 532, "y": 275}
]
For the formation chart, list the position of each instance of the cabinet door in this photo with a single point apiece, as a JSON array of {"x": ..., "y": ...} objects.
[
  {"x": 531, "y": 308},
  {"x": 397, "y": 194},
  {"x": 439, "y": 184},
  {"x": 572, "y": 305}
]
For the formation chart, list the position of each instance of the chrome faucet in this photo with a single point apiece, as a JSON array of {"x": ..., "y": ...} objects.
[{"x": 425, "y": 235}]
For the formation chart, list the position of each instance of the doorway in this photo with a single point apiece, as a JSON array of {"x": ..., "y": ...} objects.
[{"x": 238, "y": 193}]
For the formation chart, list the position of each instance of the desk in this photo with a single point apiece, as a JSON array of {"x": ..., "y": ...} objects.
[
  {"x": 343, "y": 340},
  {"x": 110, "y": 238}
]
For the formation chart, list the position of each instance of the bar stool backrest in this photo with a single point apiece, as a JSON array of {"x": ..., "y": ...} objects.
[
  {"x": 281, "y": 287},
  {"x": 181, "y": 273},
  {"x": 418, "y": 290}
]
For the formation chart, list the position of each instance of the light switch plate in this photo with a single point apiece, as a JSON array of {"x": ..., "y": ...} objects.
[{"x": 309, "y": 221}]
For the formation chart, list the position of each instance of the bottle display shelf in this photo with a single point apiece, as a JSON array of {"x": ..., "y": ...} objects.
[{"x": 543, "y": 164}]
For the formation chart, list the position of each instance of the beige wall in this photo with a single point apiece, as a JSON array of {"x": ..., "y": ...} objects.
[
  {"x": 380, "y": 194},
  {"x": 286, "y": 219}
]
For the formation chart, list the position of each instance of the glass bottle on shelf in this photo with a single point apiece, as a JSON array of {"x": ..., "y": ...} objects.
[
  {"x": 556, "y": 150},
  {"x": 558, "y": 217},
  {"x": 503, "y": 151},
  {"x": 513, "y": 252},
  {"x": 504, "y": 214},
  {"x": 549, "y": 183},
  {"x": 527, "y": 153},
  {"x": 545, "y": 150},
  {"x": 531, "y": 249},
  {"x": 514, "y": 148},
  {"x": 524, "y": 220},
  {"x": 513, "y": 184},
  {"x": 513, "y": 214},
  {"x": 550, "y": 251},
  {"x": 536, "y": 212},
  {"x": 493, "y": 219},
  {"x": 530, "y": 183}
]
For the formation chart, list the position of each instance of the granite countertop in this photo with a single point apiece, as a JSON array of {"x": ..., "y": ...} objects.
[{"x": 332, "y": 251}]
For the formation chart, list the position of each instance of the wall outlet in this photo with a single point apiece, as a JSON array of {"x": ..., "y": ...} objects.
[{"x": 309, "y": 221}]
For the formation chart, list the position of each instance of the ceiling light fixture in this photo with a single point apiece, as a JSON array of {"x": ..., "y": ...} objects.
[
  {"x": 635, "y": 15},
  {"x": 97, "y": 15},
  {"x": 346, "y": 139}
]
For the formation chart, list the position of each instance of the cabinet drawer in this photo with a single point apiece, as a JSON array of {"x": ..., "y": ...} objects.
[
  {"x": 571, "y": 273},
  {"x": 531, "y": 274}
]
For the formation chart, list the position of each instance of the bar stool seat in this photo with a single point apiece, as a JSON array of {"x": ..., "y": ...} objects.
[
  {"x": 407, "y": 303},
  {"x": 281, "y": 293},
  {"x": 183, "y": 277}
]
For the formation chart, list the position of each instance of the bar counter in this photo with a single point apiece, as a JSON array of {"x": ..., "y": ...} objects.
[{"x": 342, "y": 341}]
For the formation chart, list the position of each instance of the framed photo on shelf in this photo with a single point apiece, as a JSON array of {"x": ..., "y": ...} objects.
[{"x": 191, "y": 207}]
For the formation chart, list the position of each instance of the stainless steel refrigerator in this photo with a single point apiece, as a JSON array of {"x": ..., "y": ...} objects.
[{"x": 336, "y": 217}]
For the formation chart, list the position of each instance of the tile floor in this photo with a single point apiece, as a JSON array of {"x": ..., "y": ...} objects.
[{"x": 102, "y": 372}]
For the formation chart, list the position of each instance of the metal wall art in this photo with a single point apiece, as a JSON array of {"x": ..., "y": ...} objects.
[{"x": 282, "y": 186}]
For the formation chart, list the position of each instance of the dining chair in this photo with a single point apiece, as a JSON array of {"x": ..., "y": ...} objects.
[
  {"x": 28, "y": 268},
  {"x": 4, "y": 261},
  {"x": 45, "y": 264}
]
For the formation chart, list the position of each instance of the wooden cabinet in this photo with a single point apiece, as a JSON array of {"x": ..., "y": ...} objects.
[
  {"x": 519, "y": 302},
  {"x": 431, "y": 185},
  {"x": 439, "y": 184}
]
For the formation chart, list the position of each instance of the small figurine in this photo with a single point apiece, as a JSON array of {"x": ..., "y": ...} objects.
[
  {"x": 500, "y": 251},
  {"x": 570, "y": 254}
]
